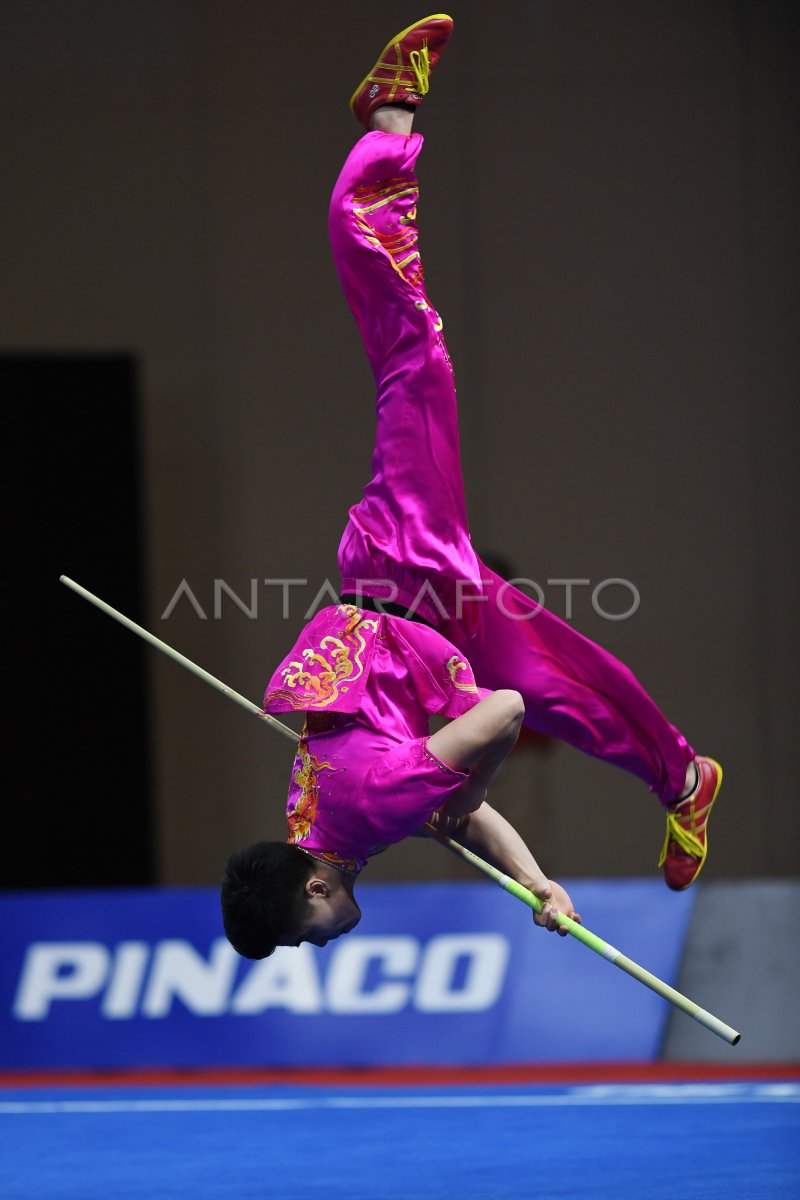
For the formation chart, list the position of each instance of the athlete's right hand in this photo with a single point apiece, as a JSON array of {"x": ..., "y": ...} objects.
[{"x": 555, "y": 900}]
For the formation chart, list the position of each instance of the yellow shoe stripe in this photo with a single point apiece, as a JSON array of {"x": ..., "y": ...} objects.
[
  {"x": 687, "y": 838},
  {"x": 389, "y": 45}
]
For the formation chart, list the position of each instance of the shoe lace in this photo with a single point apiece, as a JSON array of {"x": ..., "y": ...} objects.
[
  {"x": 421, "y": 66},
  {"x": 687, "y": 839}
]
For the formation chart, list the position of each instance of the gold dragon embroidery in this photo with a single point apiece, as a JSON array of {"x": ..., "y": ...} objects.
[
  {"x": 304, "y": 813},
  {"x": 329, "y": 668}
]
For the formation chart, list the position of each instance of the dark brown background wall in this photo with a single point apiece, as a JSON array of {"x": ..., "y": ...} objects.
[{"x": 609, "y": 216}]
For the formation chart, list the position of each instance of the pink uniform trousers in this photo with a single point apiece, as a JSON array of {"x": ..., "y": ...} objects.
[{"x": 407, "y": 540}]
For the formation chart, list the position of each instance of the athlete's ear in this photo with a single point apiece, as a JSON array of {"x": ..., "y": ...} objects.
[{"x": 317, "y": 887}]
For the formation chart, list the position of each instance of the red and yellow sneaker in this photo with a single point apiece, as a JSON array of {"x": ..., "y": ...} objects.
[
  {"x": 400, "y": 76},
  {"x": 686, "y": 843}
]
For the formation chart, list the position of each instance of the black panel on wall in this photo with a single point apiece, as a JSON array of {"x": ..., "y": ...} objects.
[{"x": 86, "y": 816}]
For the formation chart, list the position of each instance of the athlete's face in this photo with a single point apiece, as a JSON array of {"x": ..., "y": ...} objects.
[{"x": 331, "y": 911}]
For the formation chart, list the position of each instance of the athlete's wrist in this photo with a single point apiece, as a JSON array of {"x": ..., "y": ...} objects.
[{"x": 535, "y": 881}]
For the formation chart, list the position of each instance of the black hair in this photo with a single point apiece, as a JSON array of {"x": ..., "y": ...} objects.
[{"x": 263, "y": 895}]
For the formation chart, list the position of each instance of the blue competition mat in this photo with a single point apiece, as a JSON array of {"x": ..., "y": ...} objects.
[{"x": 737, "y": 1141}]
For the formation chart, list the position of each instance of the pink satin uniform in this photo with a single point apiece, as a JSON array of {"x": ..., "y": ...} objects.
[
  {"x": 364, "y": 777},
  {"x": 407, "y": 541}
]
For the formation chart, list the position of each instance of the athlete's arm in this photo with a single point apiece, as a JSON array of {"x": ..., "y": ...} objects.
[
  {"x": 489, "y": 835},
  {"x": 478, "y": 742}
]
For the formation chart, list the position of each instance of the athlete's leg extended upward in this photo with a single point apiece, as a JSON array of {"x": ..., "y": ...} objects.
[{"x": 408, "y": 534}]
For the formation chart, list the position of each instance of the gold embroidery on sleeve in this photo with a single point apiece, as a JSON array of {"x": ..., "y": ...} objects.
[
  {"x": 329, "y": 668},
  {"x": 457, "y": 664}
]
